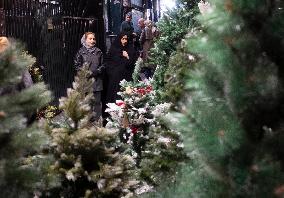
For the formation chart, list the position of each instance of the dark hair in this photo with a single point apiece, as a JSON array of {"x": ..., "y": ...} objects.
[{"x": 117, "y": 41}]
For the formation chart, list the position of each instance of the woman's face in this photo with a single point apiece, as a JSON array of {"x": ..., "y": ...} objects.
[
  {"x": 91, "y": 40},
  {"x": 123, "y": 40},
  {"x": 128, "y": 18}
]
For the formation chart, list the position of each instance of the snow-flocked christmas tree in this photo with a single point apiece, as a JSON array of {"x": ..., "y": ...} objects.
[{"x": 88, "y": 157}]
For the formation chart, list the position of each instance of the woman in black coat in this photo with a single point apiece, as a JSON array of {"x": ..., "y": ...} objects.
[
  {"x": 120, "y": 65},
  {"x": 92, "y": 55}
]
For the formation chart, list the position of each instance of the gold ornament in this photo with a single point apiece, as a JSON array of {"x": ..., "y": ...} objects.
[
  {"x": 128, "y": 90},
  {"x": 221, "y": 133},
  {"x": 4, "y": 43},
  {"x": 255, "y": 168},
  {"x": 2, "y": 114},
  {"x": 229, "y": 5},
  {"x": 125, "y": 121}
]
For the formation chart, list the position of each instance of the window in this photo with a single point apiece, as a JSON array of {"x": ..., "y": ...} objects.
[{"x": 138, "y": 3}]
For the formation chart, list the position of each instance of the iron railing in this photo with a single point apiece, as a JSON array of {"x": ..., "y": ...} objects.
[{"x": 51, "y": 31}]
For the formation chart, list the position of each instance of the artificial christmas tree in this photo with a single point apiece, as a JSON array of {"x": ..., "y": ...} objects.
[
  {"x": 89, "y": 159},
  {"x": 22, "y": 163},
  {"x": 173, "y": 27},
  {"x": 232, "y": 113},
  {"x": 138, "y": 118}
]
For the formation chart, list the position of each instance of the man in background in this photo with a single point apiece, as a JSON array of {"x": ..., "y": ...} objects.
[
  {"x": 127, "y": 27},
  {"x": 137, "y": 44}
]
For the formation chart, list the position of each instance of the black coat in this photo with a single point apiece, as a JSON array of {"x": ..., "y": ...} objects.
[
  {"x": 118, "y": 68},
  {"x": 95, "y": 58},
  {"x": 127, "y": 27}
]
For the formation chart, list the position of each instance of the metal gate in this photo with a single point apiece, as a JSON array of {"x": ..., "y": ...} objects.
[{"x": 52, "y": 30}]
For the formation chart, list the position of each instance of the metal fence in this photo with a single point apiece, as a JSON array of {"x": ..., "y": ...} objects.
[
  {"x": 2, "y": 22},
  {"x": 51, "y": 31}
]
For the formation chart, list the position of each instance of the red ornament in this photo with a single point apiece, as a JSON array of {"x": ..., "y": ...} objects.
[
  {"x": 120, "y": 103},
  {"x": 149, "y": 88},
  {"x": 133, "y": 130},
  {"x": 141, "y": 91}
]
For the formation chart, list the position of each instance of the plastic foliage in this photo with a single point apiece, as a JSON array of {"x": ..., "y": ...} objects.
[
  {"x": 23, "y": 161},
  {"x": 88, "y": 157},
  {"x": 139, "y": 120},
  {"x": 231, "y": 116}
]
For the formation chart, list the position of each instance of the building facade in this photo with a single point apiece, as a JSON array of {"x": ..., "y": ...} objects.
[{"x": 115, "y": 11}]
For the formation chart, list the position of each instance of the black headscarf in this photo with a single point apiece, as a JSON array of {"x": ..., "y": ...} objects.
[
  {"x": 117, "y": 42},
  {"x": 118, "y": 67},
  {"x": 115, "y": 52}
]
